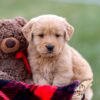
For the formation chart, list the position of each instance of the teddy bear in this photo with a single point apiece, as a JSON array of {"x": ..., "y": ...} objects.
[{"x": 12, "y": 42}]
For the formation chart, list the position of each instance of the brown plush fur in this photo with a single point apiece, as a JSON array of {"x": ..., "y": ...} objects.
[
  {"x": 64, "y": 64},
  {"x": 10, "y": 67}
]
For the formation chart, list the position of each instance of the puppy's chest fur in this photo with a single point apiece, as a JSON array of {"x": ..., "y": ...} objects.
[
  {"x": 49, "y": 67},
  {"x": 45, "y": 67}
]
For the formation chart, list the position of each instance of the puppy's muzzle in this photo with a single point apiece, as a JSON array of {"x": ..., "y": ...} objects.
[{"x": 50, "y": 48}]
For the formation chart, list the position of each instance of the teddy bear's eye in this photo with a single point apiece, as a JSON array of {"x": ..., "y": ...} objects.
[
  {"x": 13, "y": 33},
  {"x": 41, "y": 35}
]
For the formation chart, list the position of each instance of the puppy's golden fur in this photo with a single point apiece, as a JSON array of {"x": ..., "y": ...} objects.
[{"x": 64, "y": 64}]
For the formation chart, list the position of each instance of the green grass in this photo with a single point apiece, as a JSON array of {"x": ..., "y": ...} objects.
[{"x": 84, "y": 17}]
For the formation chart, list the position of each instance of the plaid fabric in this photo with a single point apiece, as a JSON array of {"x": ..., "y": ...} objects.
[{"x": 12, "y": 90}]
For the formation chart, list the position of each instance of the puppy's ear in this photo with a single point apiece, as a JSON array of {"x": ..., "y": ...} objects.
[
  {"x": 27, "y": 31},
  {"x": 69, "y": 30}
]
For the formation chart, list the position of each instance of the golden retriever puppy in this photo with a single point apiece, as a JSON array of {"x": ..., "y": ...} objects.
[{"x": 52, "y": 60}]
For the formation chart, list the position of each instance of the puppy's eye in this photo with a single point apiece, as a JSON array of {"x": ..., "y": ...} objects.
[
  {"x": 41, "y": 35},
  {"x": 57, "y": 35},
  {"x": 32, "y": 36}
]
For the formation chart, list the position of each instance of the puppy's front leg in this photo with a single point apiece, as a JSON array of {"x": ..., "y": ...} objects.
[
  {"x": 63, "y": 77},
  {"x": 82, "y": 71},
  {"x": 39, "y": 80}
]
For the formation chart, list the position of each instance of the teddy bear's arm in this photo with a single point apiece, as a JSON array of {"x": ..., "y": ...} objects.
[{"x": 5, "y": 76}]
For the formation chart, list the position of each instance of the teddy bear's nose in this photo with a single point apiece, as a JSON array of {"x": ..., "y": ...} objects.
[{"x": 10, "y": 43}]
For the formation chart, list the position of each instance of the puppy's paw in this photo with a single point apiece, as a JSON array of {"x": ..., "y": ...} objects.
[
  {"x": 80, "y": 90},
  {"x": 78, "y": 95}
]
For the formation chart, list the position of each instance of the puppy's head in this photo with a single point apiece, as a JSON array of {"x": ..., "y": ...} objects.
[{"x": 48, "y": 34}]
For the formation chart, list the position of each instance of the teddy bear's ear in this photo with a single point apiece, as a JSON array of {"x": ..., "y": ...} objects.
[
  {"x": 27, "y": 31},
  {"x": 69, "y": 30},
  {"x": 21, "y": 20}
]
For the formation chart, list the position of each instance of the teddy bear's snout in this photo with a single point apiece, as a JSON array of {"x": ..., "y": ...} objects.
[{"x": 10, "y": 45}]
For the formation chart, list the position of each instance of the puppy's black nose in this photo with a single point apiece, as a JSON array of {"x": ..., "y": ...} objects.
[{"x": 50, "y": 48}]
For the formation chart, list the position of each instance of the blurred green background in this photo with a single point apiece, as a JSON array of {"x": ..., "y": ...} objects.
[{"x": 83, "y": 15}]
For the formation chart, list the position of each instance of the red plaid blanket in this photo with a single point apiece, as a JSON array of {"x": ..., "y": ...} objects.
[{"x": 12, "y": 90}]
